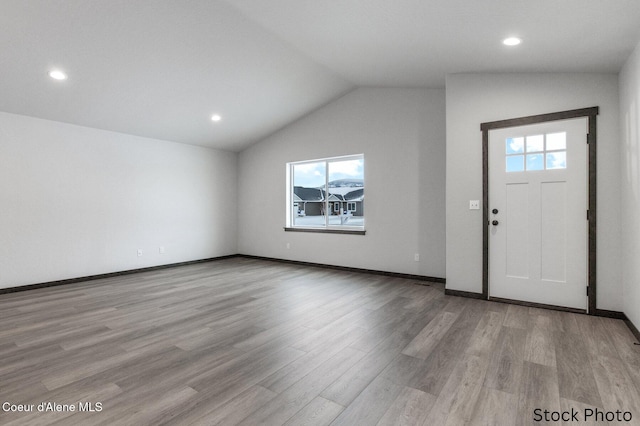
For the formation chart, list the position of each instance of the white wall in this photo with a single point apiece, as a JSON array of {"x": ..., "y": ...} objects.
[
  {"x": 76, "y": 201},
  {"x": 476, "y": 98},
  {"x": 402, "y": 135},
  {"x": 630, "y": 185}
]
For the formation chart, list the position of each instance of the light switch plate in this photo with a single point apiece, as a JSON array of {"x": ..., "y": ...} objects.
[{"x": 474, "y": 204}]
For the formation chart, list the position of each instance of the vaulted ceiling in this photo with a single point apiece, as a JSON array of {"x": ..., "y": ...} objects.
[{"x": 162, "y": 68}]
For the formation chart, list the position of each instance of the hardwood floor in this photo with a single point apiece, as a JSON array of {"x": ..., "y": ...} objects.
[{"x": 250, "y": 342}]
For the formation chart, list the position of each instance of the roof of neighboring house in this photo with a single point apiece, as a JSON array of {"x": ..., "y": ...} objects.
[
  {"x": 308, "y": 194},
  {"x": 301, "y": 193},
  {"x": 357, "y": 195}
]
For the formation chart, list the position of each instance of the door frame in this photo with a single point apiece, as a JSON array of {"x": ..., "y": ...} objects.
[{"x": 591, "y": 114}]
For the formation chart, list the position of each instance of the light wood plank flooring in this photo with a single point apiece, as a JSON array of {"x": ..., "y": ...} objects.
[{"x": 250, "y": 342}]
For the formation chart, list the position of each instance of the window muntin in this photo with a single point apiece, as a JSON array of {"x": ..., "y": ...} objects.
[
  {"x": 327, "y": 193},
  {"x": 536, "y": 152}
]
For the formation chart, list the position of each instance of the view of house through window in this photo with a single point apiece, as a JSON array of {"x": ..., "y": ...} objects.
[{"x": 327, "y": 193}]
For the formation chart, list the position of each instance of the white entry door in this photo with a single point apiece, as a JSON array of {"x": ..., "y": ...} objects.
[{"x": 538, "y": 226}]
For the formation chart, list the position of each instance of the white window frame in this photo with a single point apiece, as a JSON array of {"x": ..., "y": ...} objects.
[{"x": 290, "y": 215}]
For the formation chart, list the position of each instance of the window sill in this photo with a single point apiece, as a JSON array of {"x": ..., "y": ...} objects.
[{"x": 326, "y": 231}]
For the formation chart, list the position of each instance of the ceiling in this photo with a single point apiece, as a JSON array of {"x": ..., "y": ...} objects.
[{"x": 161, "y": 68}]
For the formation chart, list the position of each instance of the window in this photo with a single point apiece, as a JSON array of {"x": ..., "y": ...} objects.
[
  {"x": 326, "y": 194},
  {"x": 537, "y": 152}
]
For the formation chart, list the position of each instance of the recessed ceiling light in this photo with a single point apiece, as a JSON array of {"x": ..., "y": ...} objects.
[
  {"x": 57, "y": 75},
  {"x": 511, "y": 41},
  {"x": 216, "y": 118}
]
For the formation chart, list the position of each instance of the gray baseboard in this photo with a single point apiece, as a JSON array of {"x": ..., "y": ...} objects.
[
  {"x": 108, "y": 275},
  {"x": 350, "y": 269}
]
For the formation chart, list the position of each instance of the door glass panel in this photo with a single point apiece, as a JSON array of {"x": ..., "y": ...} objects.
[
  {"x": 515, "y": 145},
  {"x": 556, "y": 141},
  {"x": 538, "y": 156},
  {"x": 515, "y": 163},
  {"x": 535, "y": 161},
  {"x": 535, "y": 143},
  {"x": 557, "y": 160}
]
